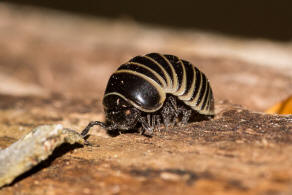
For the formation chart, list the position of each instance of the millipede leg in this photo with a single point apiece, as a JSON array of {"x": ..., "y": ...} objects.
[
  {"x": 176, "y": 109},
  {"x": 186, "y": 113},
  {"x": 149, "y": 120},
  {"x": 157, "y": 121},
  {"x": 147, "y": 125},
  {"x": 153, "y": 121},
  {"x": 173, "y": 103},
  {"x": 186, "y": 116},
  {"x": 168, "y": 114}
]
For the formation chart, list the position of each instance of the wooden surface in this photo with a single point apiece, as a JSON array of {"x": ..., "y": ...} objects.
[{"x": 54, "y": 68}]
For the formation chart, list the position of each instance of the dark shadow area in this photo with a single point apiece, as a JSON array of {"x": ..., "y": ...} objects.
[
  {"x": 116, "y": 132},
  {"x": 197, "y": 117},
  {"x": 257, "y": 19},
  {"x": 58, "y": 152}
]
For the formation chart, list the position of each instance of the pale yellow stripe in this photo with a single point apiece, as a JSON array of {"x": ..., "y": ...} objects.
[
  {"x": 168, "y": 79},
  {"x": 152, "y": 71},
  {"x": 194, "y": 101},
  {"x": 204, "y": 96},
  {"x": 183, "y": 86},
  {"x": 191, "y": 90},
  {"x": 174, "y": 79}
]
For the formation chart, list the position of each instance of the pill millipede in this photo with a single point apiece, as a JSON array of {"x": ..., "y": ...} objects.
[{"x": 155, "y": 88}]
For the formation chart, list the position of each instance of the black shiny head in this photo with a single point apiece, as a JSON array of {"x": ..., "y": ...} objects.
[
  {"x": 142, "y": 92},
  {"x": 119, "y": 113}
]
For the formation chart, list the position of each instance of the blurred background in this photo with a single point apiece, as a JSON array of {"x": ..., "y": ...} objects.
[
  {"x": 254, "y": 19},
  {"x": 70, "y": 48}
]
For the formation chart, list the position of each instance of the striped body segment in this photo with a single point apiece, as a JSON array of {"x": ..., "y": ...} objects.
[{"x": 144, "y": 81}]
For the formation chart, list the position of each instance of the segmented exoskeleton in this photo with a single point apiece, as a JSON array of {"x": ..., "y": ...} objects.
[{"x": 154, "y": 86}]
